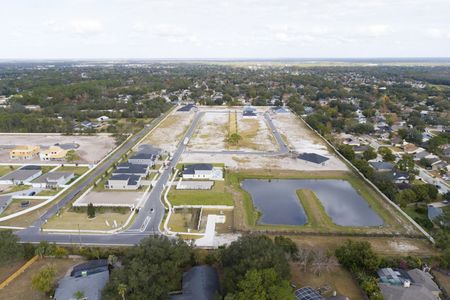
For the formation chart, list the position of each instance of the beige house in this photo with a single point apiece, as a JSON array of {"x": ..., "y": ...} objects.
[
  {"x": 53, "y": 153},
  {"x": 24, "y": 152}
]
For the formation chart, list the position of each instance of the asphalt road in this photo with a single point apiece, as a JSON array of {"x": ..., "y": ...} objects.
[{"x": 146, "y": 222}]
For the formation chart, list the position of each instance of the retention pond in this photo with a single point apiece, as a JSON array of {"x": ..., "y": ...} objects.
[{"x": 279, "y": 204}]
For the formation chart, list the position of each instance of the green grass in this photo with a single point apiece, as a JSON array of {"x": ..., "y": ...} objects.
[
  {"x": 75, "y": 170},
  {"x": 49, "y": 192},
  {"x": 6, "y": 169},
  {"x": 46, "y": 169},
  {"x": 317, "y": 216},
  {"x": 217, "y": 165},
  {"x": 216, "y": 196}
]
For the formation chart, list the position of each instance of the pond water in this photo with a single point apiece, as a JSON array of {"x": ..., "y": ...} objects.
[{"x": 278, "y": 202}]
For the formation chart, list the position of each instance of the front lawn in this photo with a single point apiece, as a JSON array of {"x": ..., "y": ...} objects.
[{"x": 218, "y": 195}]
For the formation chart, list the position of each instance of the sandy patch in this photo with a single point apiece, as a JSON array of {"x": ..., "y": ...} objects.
[
  {"x": 402, "y": 246},
  {"x": 170, "y": 132},
  {"x": 256, "y": 135},
  {"x": 211, "y": 132}
]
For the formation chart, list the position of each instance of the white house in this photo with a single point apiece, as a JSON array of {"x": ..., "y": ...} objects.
[
  {"x": 52, "y": 179},
  {"x": 124, "y": 182},
  {"x": 202, "y": 171},
  {"x": 22, "y": 176}
]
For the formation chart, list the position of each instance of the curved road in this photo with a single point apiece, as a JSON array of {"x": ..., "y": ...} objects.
[{"x": 150, "y": 215}]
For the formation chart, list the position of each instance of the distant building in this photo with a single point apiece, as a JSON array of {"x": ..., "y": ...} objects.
[
  {"x": 54, "y": 153},
  {"x": 187, "y": 108},
  {"x": 199, "y": 283},
  {"x": 132, "y": 169},
  {"x": 249, "y": 113},
  {"x": 382, "y": 166},
  {"x": 102, "y": 119},
  {"x": 143, "y": 158},
  {"x": 53, "y": 179},
  {"x": 124, "y": 182},
  {"x": 24, "y": 152}
]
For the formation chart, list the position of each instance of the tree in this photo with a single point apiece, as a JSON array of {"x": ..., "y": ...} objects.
[
  {"x": 406, "y": 164},
  {"x": 150, "y": 270},
  {"x": 287, "y": 245},
  {"x": 121, "y": 290},
  {"x": 10, "y": 248},
  {"x": 386, "y": 154},
  {"x": 251, "y": 252},
  {"x": 44, "y": 280},
  {"x": 263, "y": 284},
  {"x": 234, "y": 139},
  {"x": 358, "y": 256},
  {"x": 405, "y": 197},
  {"x": 347, "y": 152},
  {"x": 78, "y": 295},
  {"x": 91, "y": 211},
  {"x": 369, "y": 154}
]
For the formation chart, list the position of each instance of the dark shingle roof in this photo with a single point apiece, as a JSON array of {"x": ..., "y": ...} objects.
[
  {"x": 190, "y": 169},
  {"x": 187, "y": 107},
  {"x": 199, "y": 283},
  {"x": 128, "y": 168},
  {"x": 313, "y": 157},
  {"x": 31, "y": 167},
  {"x": 132, "y": 179},
  {"x": 91, "y": 267},
  {"x": 381, "y": 165}
]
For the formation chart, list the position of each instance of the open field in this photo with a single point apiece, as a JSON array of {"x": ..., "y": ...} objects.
[
  {"x": 170, "y": 132},
  {"x": 211, "y": 132},
  {"x": 69, "y": 219},
  {"x": 116, "y": 199},
  {"x": 339, "y": 279},
  {"x": 6, "y": 169},
  {"x": 6, "y": 269},
  {"x": 393, "y": 222},
  {"x": 21, "y": 287},
  {"x": 91, "y": 149},
  {"x": 15, "y": 206},
  {"x": 218, "y": 195},
  {"x": 255, "y": 134}
]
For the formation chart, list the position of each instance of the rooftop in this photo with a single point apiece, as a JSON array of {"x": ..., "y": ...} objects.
[
  {"x": 52, "y": 176},
  {"x": 132, "y": 179},
  {"x": 190, "y": 169},
  {"x": 199, "y": 283},
  {"x": 313, "y": 157}
]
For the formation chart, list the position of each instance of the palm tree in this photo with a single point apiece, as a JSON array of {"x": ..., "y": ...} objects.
[
  {"x": 122, "y": 289},
  {"x": 78, "y": 295}
]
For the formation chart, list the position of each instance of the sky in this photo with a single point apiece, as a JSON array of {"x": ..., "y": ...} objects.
[{"x": 226, "y": 29}]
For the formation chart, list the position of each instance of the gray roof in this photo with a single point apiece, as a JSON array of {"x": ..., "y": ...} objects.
[
  {"x": 5, "y": 200},
  {"x": 52, "y": 176},
  {"x": 31, "y": 167},
  {"x": 132, "y": 179},
  {"x": 128, "y": 168},
  {"x": 381, "y": 165},
  {"x": 20, "y": 175},
  {"x": 313, "y": 157},
  {"x": 414, "y": 292},
  {"x": 199, "y": 283},
  {"x": 147, "y": 148},
  {"x": 307, "y": 293},
  {"x": 434, "y": 212},
  {"x": 143, "y": 155},
  {"x": 423, "y": 278},
  {"x": 186, "y": 107},
  {"x": 91, "y": 286},
  {"x": 190, "y": 169}
]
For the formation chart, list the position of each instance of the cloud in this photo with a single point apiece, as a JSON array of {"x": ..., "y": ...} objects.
[
  {"x": 86, "y": 26},
  {"x": 438, "y": 33},
  {"x": 169, "y": 32},
  {"x": 375, "y": 30}
]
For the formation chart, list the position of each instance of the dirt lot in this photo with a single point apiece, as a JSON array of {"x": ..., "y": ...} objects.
[
  {"x": 252, "y": 161},
  {"x": 255, "y": 134},
  {"x": 21, "y": 287},
  {"x": 91, "y": 148},
  {"x": 169, "y": 133},
  {"x": 211, "y": 132},
  {"x": 338, "y": 280}
]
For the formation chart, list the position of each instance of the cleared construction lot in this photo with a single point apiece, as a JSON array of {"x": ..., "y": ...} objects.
[
  {"x": 90, "y": 149},
  {"x": 216, "y": 125},
  {"x": 170, "y": 132}
]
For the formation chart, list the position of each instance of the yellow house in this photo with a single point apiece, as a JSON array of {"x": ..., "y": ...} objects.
[
  {"x": 53, "y": 153},
  {"x": 24, "y": 152}
]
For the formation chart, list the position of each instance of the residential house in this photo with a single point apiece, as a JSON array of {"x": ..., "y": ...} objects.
[
  {"x": 54, "y": 153},
  {"x": 202, "y": 171},
  {"x": 309, "y": 293},
  {"x": 143, "y": 158},
  {"x": 249, "y": 113},
  {"x": 53, "y": 179},
  {"x": 409, "y": 148},
  {"x": 88, "y": 278},
  {"x": 187, "y": 108},
  {"x": 133, "y": 169},
  {"x": 103, "y": 119},
  {"x": 360, "y": 149},
  {"x": 23, "y": 175},
  {"x": 24, "y": 152},
  {"x": 400, "y": 177},
  {"x": 381, "y": 166},
  {"x": 124, "y": 182},
  {"x": 199, "y": 283},
  {"x": 398, "y": 284}
]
